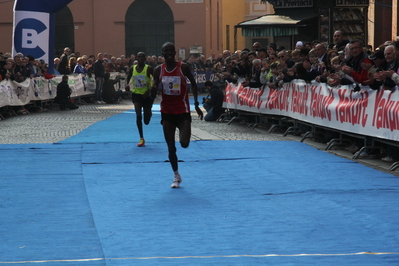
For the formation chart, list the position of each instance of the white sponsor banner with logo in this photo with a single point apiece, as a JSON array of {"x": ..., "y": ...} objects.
[
  {"x": 39, "y": 89},
  {"x": 367, "y": 112},
  {"x": 32, "y": 34}
]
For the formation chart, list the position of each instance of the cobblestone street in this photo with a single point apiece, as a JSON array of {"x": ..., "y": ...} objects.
[{"x": 53, "y": 125}]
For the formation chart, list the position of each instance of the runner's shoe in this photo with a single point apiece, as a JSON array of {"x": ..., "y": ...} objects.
[
  {"x": 176, "y": 181},
  {"x": 141, "y": 143}
]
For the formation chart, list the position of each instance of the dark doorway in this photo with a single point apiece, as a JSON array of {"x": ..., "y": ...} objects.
[
  {"x": 149, "y": 24},
  {"x": 64, "y": 31}
]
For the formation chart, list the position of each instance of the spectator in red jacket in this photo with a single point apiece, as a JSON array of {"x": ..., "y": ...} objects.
[{"x": 354, "y": 66}]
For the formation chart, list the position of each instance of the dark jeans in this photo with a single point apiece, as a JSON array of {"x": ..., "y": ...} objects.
[
  {"x": 213, "y": 112},
  {"x": 99, "y": 85}
]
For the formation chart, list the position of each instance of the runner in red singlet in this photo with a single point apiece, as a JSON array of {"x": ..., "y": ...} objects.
[{"x": 175, "y": 108}]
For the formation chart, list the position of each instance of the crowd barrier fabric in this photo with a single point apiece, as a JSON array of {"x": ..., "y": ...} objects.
[
  {"x": 202, "y": 76},
  {"x": 40, "y": 89},
  {"x": 367, "y": 112}
]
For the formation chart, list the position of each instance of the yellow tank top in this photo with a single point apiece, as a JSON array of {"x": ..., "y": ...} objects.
[{"x": 141, "y": 82}]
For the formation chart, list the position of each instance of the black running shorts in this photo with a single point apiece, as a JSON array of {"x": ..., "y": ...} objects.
[
  {"x": 175, "y": 119},
  {"x": 138, "y": 98}
]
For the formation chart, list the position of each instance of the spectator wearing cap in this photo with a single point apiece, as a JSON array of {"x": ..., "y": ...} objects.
[
  {"x": 378, "y": 58},
  {"x": 379, "y": 64},
  {"x": 298, "y": 45}
]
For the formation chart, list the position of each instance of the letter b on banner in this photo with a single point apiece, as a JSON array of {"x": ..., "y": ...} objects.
[
  {"x": 31, "y": 34},
  {"x": 34, "y": 28}
]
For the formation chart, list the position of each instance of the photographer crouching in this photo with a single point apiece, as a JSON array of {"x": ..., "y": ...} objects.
[{"x": 213, "y": 103}]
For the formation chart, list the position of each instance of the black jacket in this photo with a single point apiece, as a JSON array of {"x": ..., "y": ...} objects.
[
  {"x": 63, "y": 91},
  {"x": 108, "y": 91},
  {"x": 99, "y": 69},
  {"x": 217, "y": 97}
]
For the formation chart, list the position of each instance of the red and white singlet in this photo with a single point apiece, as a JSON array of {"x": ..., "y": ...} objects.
[{"x": 174, "y": 91}]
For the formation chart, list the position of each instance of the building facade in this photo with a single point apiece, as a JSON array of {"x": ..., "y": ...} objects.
[
  {"x": 236, "y": 11},
  {"x": 127, "y": 27},
  {"x": 205, "y": 26},
  {"x": 373, "y": 21}
]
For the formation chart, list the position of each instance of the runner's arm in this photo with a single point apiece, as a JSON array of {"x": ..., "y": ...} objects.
[
  {"x": 187, "y": 72},
  {"x": 155, "y": 82}
]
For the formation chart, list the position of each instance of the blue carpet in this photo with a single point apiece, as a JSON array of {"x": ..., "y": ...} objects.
[
  {"x": 101, "y": 200},
  {"x": 120, "y": 128}
]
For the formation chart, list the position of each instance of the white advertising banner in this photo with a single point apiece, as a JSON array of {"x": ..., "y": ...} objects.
[
  {"x": 367, "y": 112},
  {"x": 39, "y": 89}
]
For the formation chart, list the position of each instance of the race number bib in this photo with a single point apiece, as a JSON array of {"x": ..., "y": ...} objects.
[
  {"x": 139, "y": 81},
  {"x": 171, "y": 85}
]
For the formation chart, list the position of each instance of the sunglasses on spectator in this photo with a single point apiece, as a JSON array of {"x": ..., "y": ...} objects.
[{"x": 281, "y": 56}]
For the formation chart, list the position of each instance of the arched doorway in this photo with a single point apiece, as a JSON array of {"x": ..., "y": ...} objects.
[
  {"x": 64, "y": 31},
  {"x": 149, "y": 24}
]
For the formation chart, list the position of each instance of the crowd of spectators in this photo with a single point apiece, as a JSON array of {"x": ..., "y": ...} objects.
[
  {"x": 342, "y": 62},
  {"x": 339, "y": 63},
  {"x": 20, "y": 67}
]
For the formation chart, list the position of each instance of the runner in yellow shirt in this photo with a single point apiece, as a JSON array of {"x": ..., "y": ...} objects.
[{"x": 140, "y": 76}]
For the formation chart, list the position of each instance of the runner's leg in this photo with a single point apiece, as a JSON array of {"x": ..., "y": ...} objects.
[
  {"x": 185, "y": 133},
  {"x": 139, "y": 117},
  {"x": 147, "y": 114},
  {"x": 169, "y": 130}
]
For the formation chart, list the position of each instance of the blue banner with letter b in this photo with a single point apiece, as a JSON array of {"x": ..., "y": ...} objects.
[{"x": 34, "y": 28}]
